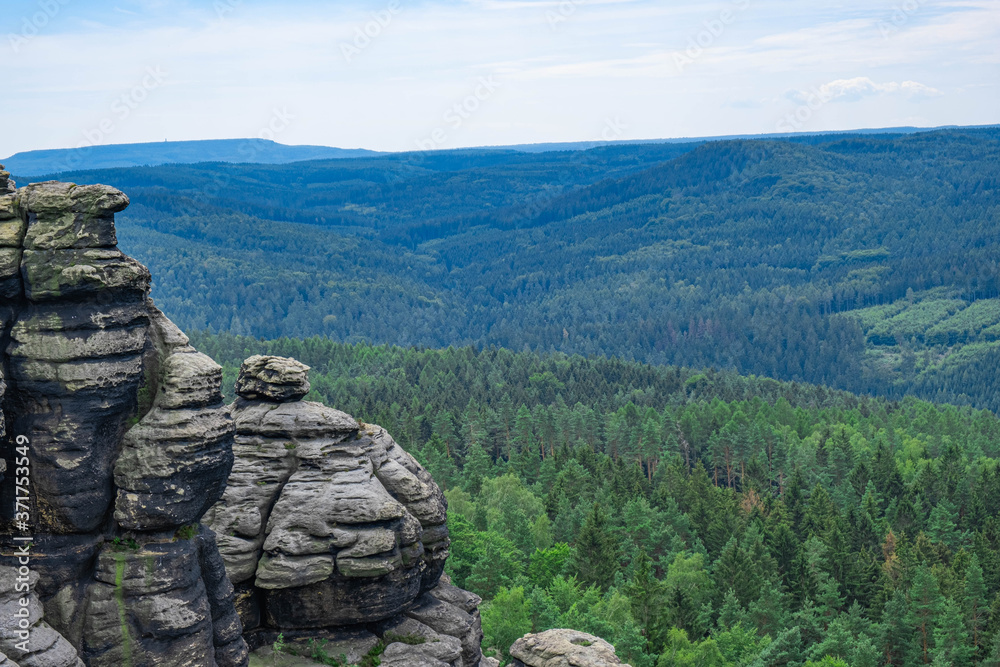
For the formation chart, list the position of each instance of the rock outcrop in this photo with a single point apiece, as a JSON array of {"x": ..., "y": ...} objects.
[
  {"x": 328, "y": 525},
  {"x": 125, "y": 438},
  {"x": 135, "y": 498},
  {"x": 563, "y": 648}
]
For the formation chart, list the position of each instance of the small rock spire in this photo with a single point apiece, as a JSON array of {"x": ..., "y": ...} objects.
[
  {"x": 6, "y": 185},
  {"x": 278, "y": 379}
]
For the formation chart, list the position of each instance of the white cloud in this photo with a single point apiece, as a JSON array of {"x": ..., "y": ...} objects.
[{"x": 851, "y": 90}]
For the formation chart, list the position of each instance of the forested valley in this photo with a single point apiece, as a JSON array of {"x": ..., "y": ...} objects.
[
  {"x": 691, "y": 518},
  {"x": 720, "y": 403},
  {"x": 866, "y": 263}
]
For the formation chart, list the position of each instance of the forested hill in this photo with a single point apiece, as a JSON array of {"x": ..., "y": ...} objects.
[
  {"x": 33, "y": 163},
  {"x": 867, "y": 263},
  {"x": 691, "y": 518}
]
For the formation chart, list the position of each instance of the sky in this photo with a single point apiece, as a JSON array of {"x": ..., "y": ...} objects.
[{"x": 398, "y": 75}]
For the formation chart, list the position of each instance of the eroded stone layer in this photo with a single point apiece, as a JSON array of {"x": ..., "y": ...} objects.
[
  {"x": 329, "y": 520},
  {"x": 128, "y": 440}
]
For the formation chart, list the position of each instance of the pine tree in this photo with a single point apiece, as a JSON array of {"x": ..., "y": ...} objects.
[
  {"x": 942, "y": 526},
  {"x": 786, "y": 649},
  {"x": 897, "y": 633},
  {"x": 645, "y": 594},
  {"x": 828, "y": 600},
  {"x": 477, "y": 467},
  {"x": 439, "y": 463},
  {"x": 596, "y": 550},
  {"x": 732, "y": 612},
  {"x": 769, "y": 612},
  {"x": 994, "y": 659},
  {"x": 975, "y": 604},
  {"x": 731, "y": 570},
  {"x": 925, "y": 605},
  {"x": 951, "y": 639}
]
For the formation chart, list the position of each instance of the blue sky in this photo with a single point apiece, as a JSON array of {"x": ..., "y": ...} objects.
[{"x": 402, "y": 74}]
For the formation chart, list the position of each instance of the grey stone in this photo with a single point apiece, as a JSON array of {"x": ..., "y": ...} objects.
[
  {"x": 353, "y": 644},
  {"x": 563, "y": 648},
  {"x": 445, "y": 650},
  {"x": 65, "y": 215},
  {"x": 10, "y": 273},
  {"x": 76, "y": 273},
  {"x": 447, "y": 619},
  {"x": 37, "y": 645},
  {"x": 273, "y": 378},
  {"x": 6, "y": 185},
  {"x": 117, "y": 407},
  {"x": 453, "y": 595}
]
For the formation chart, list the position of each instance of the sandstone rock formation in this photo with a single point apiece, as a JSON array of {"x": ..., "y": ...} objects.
[
  {"x": 563, "y": 648},
  {"x": 140, "y": 518},
  {"x": 128, "y": 444},
  {"x": 327, "y": 524}
]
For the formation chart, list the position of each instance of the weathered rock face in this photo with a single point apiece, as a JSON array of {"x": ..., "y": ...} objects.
[
  {"x": 327, "y": 524},
  {"x": 328, "y": 528},
  {"x": 563, "y": 648},
  {"x": 127, "y": 440}
]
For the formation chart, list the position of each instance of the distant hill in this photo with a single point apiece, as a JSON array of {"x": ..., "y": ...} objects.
[
  {"x": 864, "y": 262},
  {"x": 798, "y": 137},
  {"x": 259, "y": 151},
  {"x": 32, "y": 164}
]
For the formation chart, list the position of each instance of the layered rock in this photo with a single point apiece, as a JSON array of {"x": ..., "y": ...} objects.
[
  {"x": 328, "y": 528},
  {"x": 24, "y": 636},
  {"x": 128, "y": 440},
  {"x": 563, "y": 648},
  {"x": 327, "y": 524}
]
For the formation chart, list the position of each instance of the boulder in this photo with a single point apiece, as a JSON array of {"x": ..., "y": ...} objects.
[
  {"x": 563, "y": 648},
  {"x": 276, "y": 379}
]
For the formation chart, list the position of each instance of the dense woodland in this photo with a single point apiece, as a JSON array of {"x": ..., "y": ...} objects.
[
  {"x": 867, "y": 263},
  {"x": 626, "y": 403},
  {"x": 691, "y": 518}
]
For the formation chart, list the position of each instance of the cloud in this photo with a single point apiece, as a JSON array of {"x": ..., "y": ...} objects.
[{"x": 858, "y": 88}]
